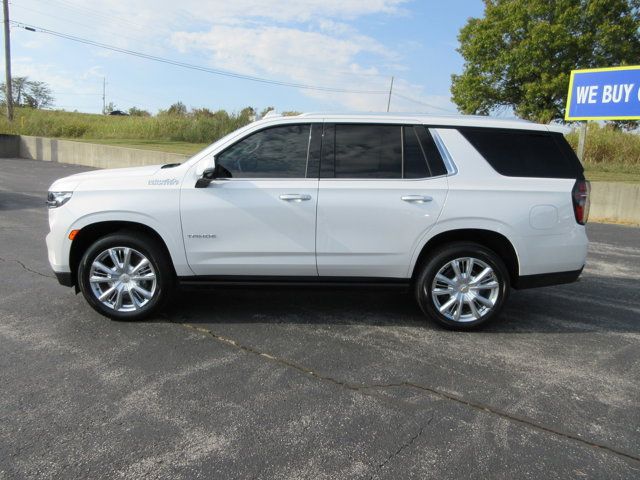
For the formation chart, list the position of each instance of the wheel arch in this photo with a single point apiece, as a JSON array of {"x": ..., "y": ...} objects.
[
  {"x": 490, "y": 239},
  {"x": 88, "y": 234}
]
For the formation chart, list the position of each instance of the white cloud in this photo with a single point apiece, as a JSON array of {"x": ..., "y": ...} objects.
[
  {"x": 293, "y": 55},
  {"x": 25, "y": 67},
  {"x": 94, "y": 72},
  {"x": 271, "y": 48},
  {"x": 158, "y": 16},
  {"x": 313, "y": 42}
]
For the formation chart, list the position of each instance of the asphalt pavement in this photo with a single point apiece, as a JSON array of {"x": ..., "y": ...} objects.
[{"x": 292, "y": 383}]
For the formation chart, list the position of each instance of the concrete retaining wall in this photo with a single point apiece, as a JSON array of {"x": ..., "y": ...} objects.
[
  {"x": 610, "y": 202},
  {"x": 615, "y": 201},
  {"x": 89, "y": 154},
  {"x": 9, "y": 146}
]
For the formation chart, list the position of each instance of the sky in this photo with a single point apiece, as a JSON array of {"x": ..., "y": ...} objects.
[{"x": 355, "y": 45}]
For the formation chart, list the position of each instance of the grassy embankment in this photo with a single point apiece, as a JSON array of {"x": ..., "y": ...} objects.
[
  {"x": 610, "y": 155},
  {"x": 170, "y": 133}
]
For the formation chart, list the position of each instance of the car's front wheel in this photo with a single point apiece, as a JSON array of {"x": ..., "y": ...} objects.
[
  {"x": 125, "y": 276},
  {"x": 462, "y": 285}
]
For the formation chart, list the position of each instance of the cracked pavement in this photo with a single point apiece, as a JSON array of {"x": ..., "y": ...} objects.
[{"x": 312, "y": 383}]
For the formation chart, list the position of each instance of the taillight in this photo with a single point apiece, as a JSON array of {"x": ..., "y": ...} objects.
[{"x": 580, "y": 196}]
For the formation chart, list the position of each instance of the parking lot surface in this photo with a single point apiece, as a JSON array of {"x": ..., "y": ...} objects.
[{"x": 312, "y": 383}]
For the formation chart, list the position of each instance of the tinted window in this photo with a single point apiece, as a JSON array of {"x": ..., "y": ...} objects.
[
  {"x": 315, "y": 145},
  {"x": 278, "y": 152},
  {"x": 368, "y": 151},
  {"x": 415, "y": 163},
  {"x": 517, "y": 153},
  {"x": 436, "y": 164}
]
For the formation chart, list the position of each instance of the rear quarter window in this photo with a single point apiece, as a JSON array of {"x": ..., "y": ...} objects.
[{"x": 519, "y": 153}]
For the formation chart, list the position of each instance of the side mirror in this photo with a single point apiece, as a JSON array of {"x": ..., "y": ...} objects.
[
  {"x": 210, "y": 174},
  {"x": 207, "y": 177}
]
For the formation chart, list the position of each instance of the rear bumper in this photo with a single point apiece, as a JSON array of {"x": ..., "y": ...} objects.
[
  {"x": 547, "y": 279},
  {"x": 64, "y": 278}
]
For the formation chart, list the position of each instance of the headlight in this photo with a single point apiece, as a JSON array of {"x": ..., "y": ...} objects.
[{"x": 57, "y": 199}]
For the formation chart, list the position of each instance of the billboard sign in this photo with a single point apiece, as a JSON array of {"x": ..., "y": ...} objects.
[{"x": 604, "y": 94}]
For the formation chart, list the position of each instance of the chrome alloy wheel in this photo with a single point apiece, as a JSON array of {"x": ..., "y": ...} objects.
[
  {"x": 122, "y": 279},
  {"x": 465, "y": 289}
]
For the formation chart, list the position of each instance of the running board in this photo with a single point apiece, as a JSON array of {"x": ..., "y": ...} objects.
[{"x": 255, "y": 280}]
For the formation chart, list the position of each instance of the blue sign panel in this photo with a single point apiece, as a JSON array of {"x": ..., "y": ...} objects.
[{"x": 604, "y": 94}]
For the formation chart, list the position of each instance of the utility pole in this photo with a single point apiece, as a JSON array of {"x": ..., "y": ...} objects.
[
  {"x": 390, "y": 92},
  {"x": 7, "y": 61},
  {"x": 104, "y": 89},
  {"x": 582, "y": 138}
]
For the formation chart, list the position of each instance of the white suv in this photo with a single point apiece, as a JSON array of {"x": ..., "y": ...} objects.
[{"x": 459, "y": 208}]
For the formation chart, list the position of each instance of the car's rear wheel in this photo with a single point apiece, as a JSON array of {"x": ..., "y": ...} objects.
[
  {"x": 125, "y": 276},
  {"x": 462, "y": 285}
]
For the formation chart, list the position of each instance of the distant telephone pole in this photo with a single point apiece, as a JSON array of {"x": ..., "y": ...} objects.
[
  {"x": 104, "y": 90},
  {"x": 390, "y": 92},
  {"x": 582, "y": 138},
  {"x": 7, "y": 61}
]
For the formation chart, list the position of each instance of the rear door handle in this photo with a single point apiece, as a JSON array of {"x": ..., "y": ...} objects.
[
  {"x": 416, "y": 198},
  {"x": 295, "y": 197}
]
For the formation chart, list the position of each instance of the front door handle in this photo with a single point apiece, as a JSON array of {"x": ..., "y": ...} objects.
[
  {"x": 295, "y": 197},
  {"x": 416, "y": 198}
]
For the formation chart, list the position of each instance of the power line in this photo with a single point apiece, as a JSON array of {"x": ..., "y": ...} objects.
[
  {"x": 141, "y": 29},
  {"x": 90, "y": 27},
  {"x": 332, "y": 73},
  {"x": 98, "y": 14},
  {"x": 200, "y": 68},
  {"x": 421, "y": 102}
]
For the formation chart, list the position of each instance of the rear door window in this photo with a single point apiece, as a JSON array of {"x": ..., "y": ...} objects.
[
  {"x": 379, "y": 151},
  {"x": 368, "y": 151},
  {"x": 415, "y": 162}
]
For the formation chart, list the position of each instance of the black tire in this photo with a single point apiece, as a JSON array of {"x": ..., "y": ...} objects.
[
  {"x": 438, "y": 260},
  {"x": 158, "y": 260}
]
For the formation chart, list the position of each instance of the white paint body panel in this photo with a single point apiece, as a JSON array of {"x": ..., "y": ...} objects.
[
  {"x": 257, "y": 233},
  {"x": 365, "y": 229},
  {"x": 119, "y": 195},
  {"x": 356, "y": 228},
  {"x": 481, "y": 198}
]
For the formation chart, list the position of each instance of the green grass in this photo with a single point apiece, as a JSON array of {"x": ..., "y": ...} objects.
[
  {"x": 610, "y": 155},
  {"x": 203, "y": 128},
  {"x": 612, "y": 173}
]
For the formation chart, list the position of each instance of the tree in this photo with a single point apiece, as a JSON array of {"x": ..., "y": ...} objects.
[
  {"x": 266, "y": 110},
  {"x": 110, "y": 107},
  {"x": 138, "y": 112},
  {"x": 520, "y": 54},
  {"x": 247, "y": 114},
  {"x": 178, "y": 109},
  {"x": 202, "y": 113},
  {"x": 18, "y": 86},
  {"x": 38, "y": 95},
  {"x": 28, "y": 93}
]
